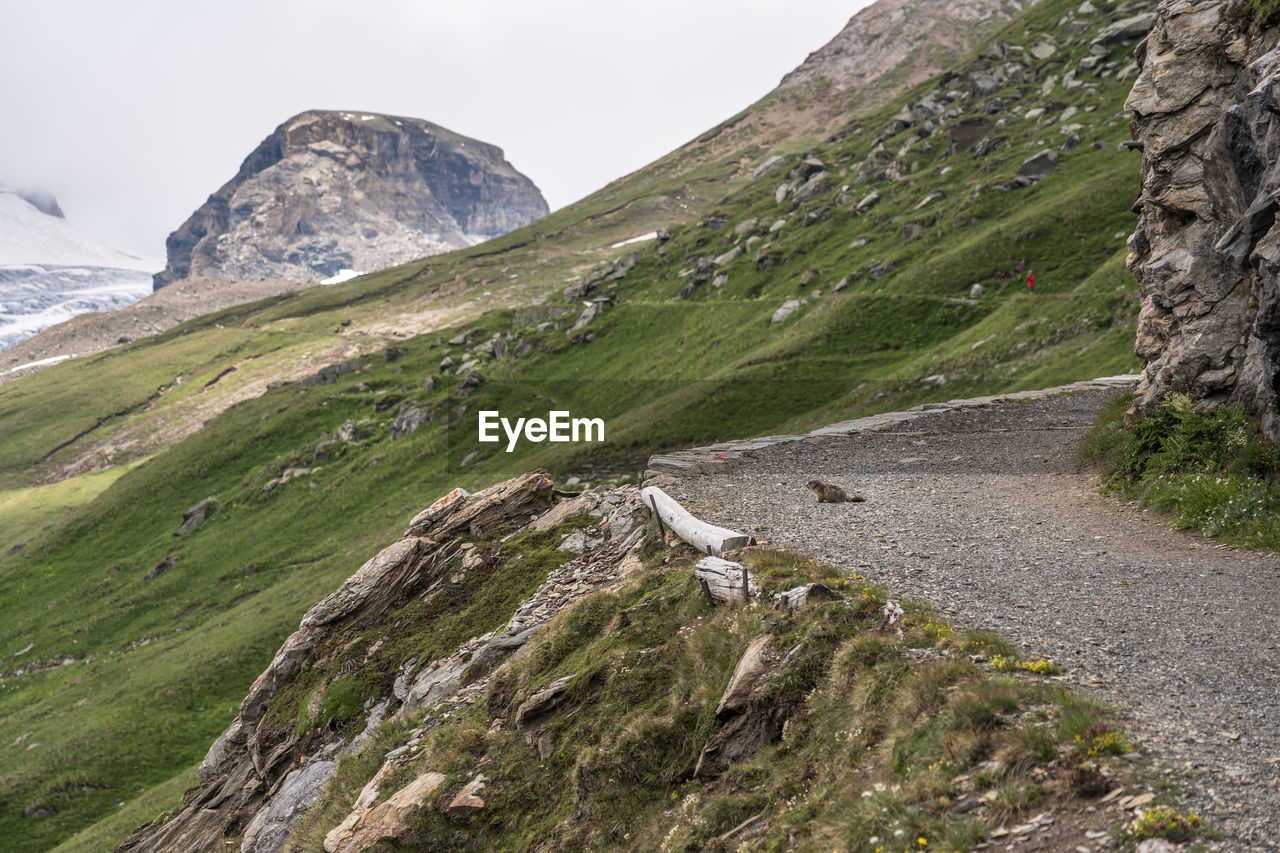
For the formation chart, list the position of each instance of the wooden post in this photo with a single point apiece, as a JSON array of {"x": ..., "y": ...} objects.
[{"x": 720, "y": 578}]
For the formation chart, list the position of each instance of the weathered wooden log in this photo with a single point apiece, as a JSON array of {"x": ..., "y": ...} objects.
[
  {"x": 707, "y": 538},
  {"x": 799, "y": 596},
  {"x": 725, "y": 580}
]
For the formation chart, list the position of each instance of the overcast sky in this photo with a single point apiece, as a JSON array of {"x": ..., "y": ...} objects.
[{"x": 133, "y": 111}]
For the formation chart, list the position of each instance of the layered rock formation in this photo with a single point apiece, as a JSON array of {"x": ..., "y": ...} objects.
[
  {"x": 332, "y": 191},
  {"x": 264, "y": 772},
  {"x": 1206, "y": 251}
]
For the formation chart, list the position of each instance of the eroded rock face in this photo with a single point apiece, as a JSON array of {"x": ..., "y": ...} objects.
[
  {"x": 330, "y": 191},
  {"x": 1206, "y": 251},
  {"x": 261, "y": 775}
]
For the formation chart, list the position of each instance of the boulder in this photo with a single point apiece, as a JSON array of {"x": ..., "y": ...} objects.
[
  {"x": 468, "y": 800},
  {"x": 964, "y": 134},
  {"x": 389, "y": 820},
  {"x": 409, "y": 420},
  {"x": 813, "y": 187},
  {"x": 785, "y": 310},
  {"x": 194, "y": 516},
  {"x": 1038, "y": 165},
  {"x": 753, "y": 664},
  {"x": 767, "y": 166}
]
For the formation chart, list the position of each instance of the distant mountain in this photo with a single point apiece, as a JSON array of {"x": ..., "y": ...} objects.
[
  {"x": 50, "y": 272},
  {"x": 332, "y": 191}
]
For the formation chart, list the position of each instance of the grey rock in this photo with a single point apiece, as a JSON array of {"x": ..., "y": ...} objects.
[
  {"x": 1126, "y": 28},
  {"x": 868, "y": 201},
  {"x": 410, "y": 420},
  {"x": 270, "y": 829},
  {"x": 728, "y": 257},
  {"x": 814, "y": 186},
  {"x": 194, "y": 517},
  {"x": 785, "y": 310},
  {"x": 1038, "y": 165},
  {"x": 767, "y": 166},
  {"x": 347, "y": 432}
]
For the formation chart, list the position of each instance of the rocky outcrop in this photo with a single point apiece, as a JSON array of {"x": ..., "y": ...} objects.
[
  {"x": 332, "y": 191},
  {"x": 263, "y": 773},
  {"x": 918, "y": 36},
  {"x": 1206, "y": 251}
]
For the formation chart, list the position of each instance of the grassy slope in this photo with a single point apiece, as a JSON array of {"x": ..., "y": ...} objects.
[{"x": 663, "y": 371}]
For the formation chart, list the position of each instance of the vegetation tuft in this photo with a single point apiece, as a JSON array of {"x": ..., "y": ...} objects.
[{"x": 1211, "y": 470}]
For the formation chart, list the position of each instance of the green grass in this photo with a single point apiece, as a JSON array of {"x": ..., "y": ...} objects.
[
  {"x": 1210, "y": 471},
  {"x": 189, "y": 411}
]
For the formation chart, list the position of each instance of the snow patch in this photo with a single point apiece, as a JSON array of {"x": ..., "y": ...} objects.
[
  {"x": 340, "y": 276},
  {"x": 652, "y": 235},
  {"x": 39, "y": 363}
]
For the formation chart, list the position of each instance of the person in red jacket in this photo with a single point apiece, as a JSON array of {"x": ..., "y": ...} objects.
[{"x": 1031, "y": 282}]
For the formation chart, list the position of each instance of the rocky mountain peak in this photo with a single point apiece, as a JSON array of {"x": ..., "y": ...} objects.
[
  {"x": 911, "y": 36},
  {"x": 335, "y": 190}
]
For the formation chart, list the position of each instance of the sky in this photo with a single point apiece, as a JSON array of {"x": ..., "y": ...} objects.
[{"x": 132, "y": 112}]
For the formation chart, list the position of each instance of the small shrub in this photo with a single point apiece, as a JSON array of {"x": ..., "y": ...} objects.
[
  {"x": 1085, "y": 777},
  {"x": 1009, "y": 664},
  {"x": 1099, "y": 740},
  {"x": 1163, "y": 822}
]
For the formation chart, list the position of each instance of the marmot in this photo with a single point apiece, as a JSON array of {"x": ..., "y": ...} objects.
[{"x": 829, "y": 493}]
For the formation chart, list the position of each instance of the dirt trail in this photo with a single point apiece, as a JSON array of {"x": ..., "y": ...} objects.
[{"x": 986, "y": 513}]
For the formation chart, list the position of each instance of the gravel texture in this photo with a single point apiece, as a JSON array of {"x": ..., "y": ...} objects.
[{"x": 986, "y": 513}]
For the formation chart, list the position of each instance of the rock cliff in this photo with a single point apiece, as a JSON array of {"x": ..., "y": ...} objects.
[
  {"x": 1206, "y": 251},
  {"x": 329, "y": 191}
]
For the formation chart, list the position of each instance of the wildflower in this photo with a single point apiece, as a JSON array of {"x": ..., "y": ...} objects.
[{"x": 922, "y": 841}]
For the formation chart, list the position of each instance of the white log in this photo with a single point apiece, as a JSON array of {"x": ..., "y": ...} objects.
[
  {"x": 707, "y": 538},
  {"x": 801, "y": 595},
  {"x": 724, "y": 580}
]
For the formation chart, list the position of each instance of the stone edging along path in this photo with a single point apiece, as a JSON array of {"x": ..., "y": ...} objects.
[
  {"x": 703, "y": 460},
  {"x": 981, "y": 508}
]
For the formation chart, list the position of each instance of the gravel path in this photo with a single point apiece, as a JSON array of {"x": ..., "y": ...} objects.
[{"x": 986, "y": 513}]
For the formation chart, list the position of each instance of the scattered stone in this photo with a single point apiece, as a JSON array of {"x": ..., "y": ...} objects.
[
  {"x": 1038, "y": 165},
  {"x": 754, "y": 663},
  {"x": 347, "y": 432},
  {"x": 468, "y": 386},
  {"x": 388, "y": 820},
  {"x": 868, "y": 201},
  {"x": 468, "y": 800},
  {"x": 767, "y": 166},
  {"x": 784, "y": 311},
  {"x": 194, "y": 516},
  {"x": 410, "y": 420}
]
